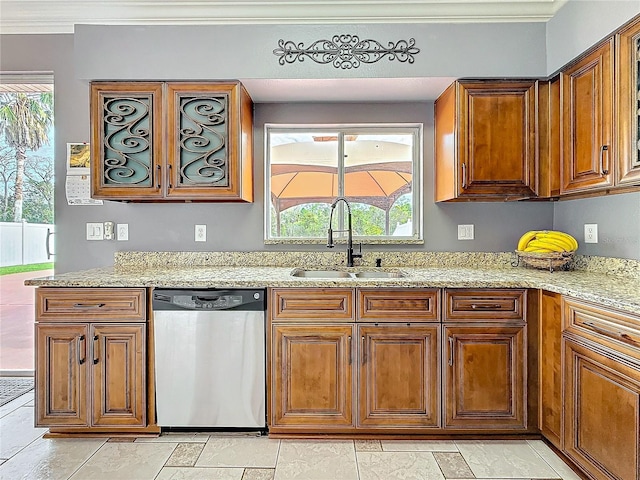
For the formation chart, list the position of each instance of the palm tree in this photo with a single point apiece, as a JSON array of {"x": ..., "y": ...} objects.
[{"x": 25, "y": 120}]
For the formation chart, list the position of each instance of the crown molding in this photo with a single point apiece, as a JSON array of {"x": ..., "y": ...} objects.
[{"x": 60, "y": 16}]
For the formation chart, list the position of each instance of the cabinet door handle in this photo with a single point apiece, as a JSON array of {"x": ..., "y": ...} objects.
[
  {"x": 451, "y": 351},
  {"x": 464, "y": 175},
  {"x": 604, "y": 171},
  {"x": 350, "y": 349},
  {"x": 485, "y": 306},
  {"x": 609, "y": 333},
  {"x": 82, "y": 359},
  {"x": 159, "y": 168},
  {"x": 169, "y": 173},
  {"x": 88, "y": 306},
  {"x": 364, "y": 352},
  {"x": 96, "y": 353}
]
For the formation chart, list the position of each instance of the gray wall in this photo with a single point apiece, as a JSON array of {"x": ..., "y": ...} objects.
[
  {"x": 185, "y": 52},
  {"x": 580, "y": 24}
]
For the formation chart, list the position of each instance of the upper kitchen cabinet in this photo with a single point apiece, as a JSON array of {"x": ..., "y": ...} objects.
[
  {"x": 485, "y": 145},
  {"x": 155, "y": 141},
  {"x": 587, "y": 121},
  {"x": 628, "y": 102}
]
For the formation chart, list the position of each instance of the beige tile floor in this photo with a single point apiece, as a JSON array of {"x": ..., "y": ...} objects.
[{"x": 24, "y": 454}]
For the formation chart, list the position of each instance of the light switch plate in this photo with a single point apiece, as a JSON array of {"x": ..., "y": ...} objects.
[
  {"x": 465, "y": 232},
  {"x": 122, "y": 231},
  {"x": 201, "y": 233},
  {"x": 95, "y": 231},
  {"x": 590, "y": 233}
]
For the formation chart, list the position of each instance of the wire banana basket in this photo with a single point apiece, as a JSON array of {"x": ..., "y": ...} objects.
[{"x": 544, "y": 261}]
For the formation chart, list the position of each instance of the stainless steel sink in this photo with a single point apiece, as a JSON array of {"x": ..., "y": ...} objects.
[
  {"x": 302, "y": 273},
  {"x": 379, "y": 274},
  {"x": 320, "y": 273}
]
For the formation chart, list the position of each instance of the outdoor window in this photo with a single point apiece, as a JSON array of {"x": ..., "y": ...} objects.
[{"x": 375, "y": 167}]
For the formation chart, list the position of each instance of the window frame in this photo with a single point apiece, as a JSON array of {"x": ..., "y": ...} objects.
[{"x": 343, "y": 129}]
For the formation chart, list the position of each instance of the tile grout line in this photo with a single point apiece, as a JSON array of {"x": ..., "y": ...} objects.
[
  {"x": 545, "y": 460},
  {"x": 104, "y": 442}
]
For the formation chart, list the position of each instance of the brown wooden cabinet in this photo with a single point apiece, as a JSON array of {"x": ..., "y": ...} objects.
[
  {"x": 155, "y": 141},
  {"x": 588, "y": 121},
  {"x": 398, "y": 376},
  {"x": 550, "y": 363},
  {"x": 628, "y": 102},
  {"x": 312, "y": 376},
  {"x": 331, "y": 356},
  {"x": 601, "y": 349},
  {"x": 486, "y": 140},
  {"x": 484, "y": 339},
  {"x": 91, "y": 358},
  {"x": 602, "y": 408}
]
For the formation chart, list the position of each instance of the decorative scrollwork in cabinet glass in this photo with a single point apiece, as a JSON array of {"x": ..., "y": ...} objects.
[
  {"x": 203, "y": 132},
  {"x": 127, "y": 142}
]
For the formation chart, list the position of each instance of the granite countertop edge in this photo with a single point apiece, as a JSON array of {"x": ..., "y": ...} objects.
[{"x": 613, "y": 291}]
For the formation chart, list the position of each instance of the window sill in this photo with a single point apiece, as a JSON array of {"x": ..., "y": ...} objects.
[{"x": 366, "y": 241}]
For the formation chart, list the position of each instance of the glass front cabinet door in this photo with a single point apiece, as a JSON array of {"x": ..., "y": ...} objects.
[
  {"x": 628, "y": 63},
  {"x": 171, "y": 141}
]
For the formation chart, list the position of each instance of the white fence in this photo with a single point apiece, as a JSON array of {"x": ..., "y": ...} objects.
[{"x": 24, "y": 243}]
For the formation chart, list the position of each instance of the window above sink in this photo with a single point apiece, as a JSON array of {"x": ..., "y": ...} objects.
[{"x": 373, "y": 166}]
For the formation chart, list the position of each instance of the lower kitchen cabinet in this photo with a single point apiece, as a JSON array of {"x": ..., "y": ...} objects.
[
  {"x": 61, "y": 373},
  {"x": 91, "y": 359},
  {"x": 550, "y": 375},
  {"x": 312, "y": 376},
  {"x": 602, "y": 411},
  {"x": 82, "y": 363},
  {"x": 484, "y": 377},
  {"x": 398, "y": 376}
]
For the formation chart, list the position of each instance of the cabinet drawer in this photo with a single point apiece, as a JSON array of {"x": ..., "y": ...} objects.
[
  {"x": 312, "y": 304},
  {"x": 601, "y": 324},
  {"x": 393, "y": 305},
  {"x": 94, "y": 304},
  {"x": 484, "y": 305}
]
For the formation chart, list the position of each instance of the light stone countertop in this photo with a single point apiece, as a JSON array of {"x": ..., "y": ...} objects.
[{"x": 619, "y": 292}]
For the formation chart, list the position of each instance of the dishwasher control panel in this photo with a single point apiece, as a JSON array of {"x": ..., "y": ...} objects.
[{"x": 179, "y": 299}]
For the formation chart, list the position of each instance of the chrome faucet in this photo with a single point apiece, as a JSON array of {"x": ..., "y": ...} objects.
[{"x": 330, "y": 244}]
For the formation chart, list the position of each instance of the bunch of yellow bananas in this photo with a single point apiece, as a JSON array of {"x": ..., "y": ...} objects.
[{"x": 545, "y": 241}]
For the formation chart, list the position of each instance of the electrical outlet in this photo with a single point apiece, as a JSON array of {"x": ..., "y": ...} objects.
[
  {"x": 95, "y": 231},
  {"x": 201, "y": 233},
  {"x": 465, "y": 232},
  {"x": 123, "y": 231},
  {"x": 590, "y": 233}
]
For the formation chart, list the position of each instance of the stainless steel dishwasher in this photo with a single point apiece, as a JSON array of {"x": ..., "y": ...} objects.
[{"x": 210, "y": 358}]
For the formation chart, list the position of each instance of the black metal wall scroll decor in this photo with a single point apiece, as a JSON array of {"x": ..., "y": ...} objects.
[{"x": 346, "y": 51}]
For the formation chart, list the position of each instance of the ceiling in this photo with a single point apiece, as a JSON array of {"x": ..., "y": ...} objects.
[{"x": 60, "y": 16}]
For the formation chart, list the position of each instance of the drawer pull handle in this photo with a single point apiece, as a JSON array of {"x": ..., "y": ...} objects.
[
  {"x": 95, "y": 350},
  {"x": 364, "y": 352},
  {"x": 349, "y": 348},
  {"x": 604, "y": 331},
  {"x": 604, "y": 171},
  {"x": 485, "y": 306},
  {"x": 451, "y": 351},
  {"x": 88, "y": 306},
  {"x": 82, "y": 359}
]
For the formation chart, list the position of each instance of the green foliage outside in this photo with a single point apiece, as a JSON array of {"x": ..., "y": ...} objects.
[
  {"x": 26, "y": 168},
  {"x": 34, "y": 267},
  {"x": 311, "y": 220}
]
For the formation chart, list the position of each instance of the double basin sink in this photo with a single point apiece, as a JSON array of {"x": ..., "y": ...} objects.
[{"x": 303, "y": 273}]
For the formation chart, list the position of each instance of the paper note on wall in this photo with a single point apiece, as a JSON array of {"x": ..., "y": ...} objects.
[{"x": 78, "y": 189}]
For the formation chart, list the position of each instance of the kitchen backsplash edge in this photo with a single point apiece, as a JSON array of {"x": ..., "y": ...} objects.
[{"x": 124, "y": 261}]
